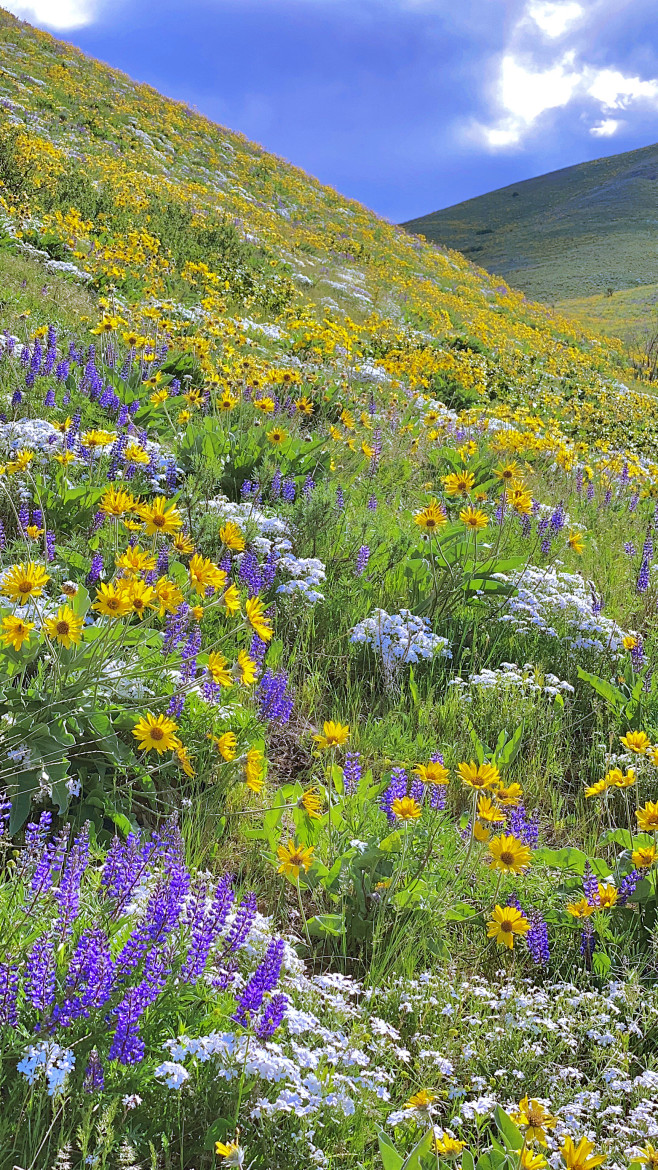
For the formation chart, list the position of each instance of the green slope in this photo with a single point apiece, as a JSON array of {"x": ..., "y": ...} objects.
[{"x": 571, "y": 233}]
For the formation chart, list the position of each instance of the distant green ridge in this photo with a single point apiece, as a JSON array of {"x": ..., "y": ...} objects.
[{"x": 571, "y": 233}]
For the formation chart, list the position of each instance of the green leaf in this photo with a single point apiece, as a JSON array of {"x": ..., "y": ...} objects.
[
  {"x": 573, "y": 860},
  {"x": 321, "y": 924},
  {"x": 605, "y": 689},
  {"x": 419, "y": 1152},
  {"x": 460, "y": 912},
  {"x": 391, "y": 1160},
  {"x": 511, "y": 1135},
  {"x": 467, "y": 1160},
  {"x": 510, "y": 750}
]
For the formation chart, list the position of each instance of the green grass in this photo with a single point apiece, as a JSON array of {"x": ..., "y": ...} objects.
[{"x": 568, "y": 234}]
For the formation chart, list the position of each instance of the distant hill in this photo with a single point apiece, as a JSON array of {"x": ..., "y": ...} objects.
[{"x": 572, "y": 233}]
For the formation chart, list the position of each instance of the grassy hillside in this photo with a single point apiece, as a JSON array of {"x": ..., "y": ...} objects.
[
  {"x": 573, "y": 233},
  {"x": 328, "y": 689}
]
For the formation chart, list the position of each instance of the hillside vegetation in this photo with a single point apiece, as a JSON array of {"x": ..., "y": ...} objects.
[
  {"x": 328, "y": 713},
  {"x": 573, "y": 233}
]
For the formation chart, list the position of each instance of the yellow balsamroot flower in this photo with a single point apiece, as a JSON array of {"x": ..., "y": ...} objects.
[
  {"x": 265, "y": 405},
  {"x": 227, "y": 401},
  {"x": 169, "y": 596},
  {"x": 23, "y": 581},
  {"x": 474, "y": 519},
  {"x": 576, "y": 542},
  {"x": 431, "y": 517},
  {"x": 231, "y": 599},
  {"x": 636, "y": 741},
  {"x": 136, "y": 454},
  {"x": 136, "y": 560},
  {"x": 231, "y": 536},
  {"x": 183, "y": 757},
  {"x": 65, "y": 627},
  {"x": 204, "y": 574},
  {"x": 277, "y": 436},
  {"x": 508, "y": 854},
  {"x": 254, "y": 770},
  {"x": 446, "y": 1146},
  {"x": 33, "y": 531},
  {"x": 246, "y": 669},
  {"x": 116, "y": 502},
  {"x": 649, "y": 1155},
  {"x": 255, "y": 613},
  {"x": 618, "y": 779},
  {"x": 531, "y": 1160},
  {"x": 509, "y": 472},
  {"x": 65, "y": 457},
  {"x": 520, "y": 500},
  {"x": 93, "y": 439},
  {"x": 161, "y": 516},
  {"x": 15, "y": 631},
  {"x": 156, "y": 733},
  {"x": 580, "y": 1157},
  {"x": 487, "y": 811},
  {"x": 294, "y": 858},
  {"x": 597, "y": 788},
  {"x": 420, "y": 1100},
  {"x": 184, "y": 416},
  {"x": 311, "y": 802},
  {"x": 197, "y": 612},
  {"x": 479, "y": 776},
  {"x": 405, "y": 808},
  {"x": 183, "y": 543},
  {"x": 534, "y": 1118},
  {"x": 510, "y": 796},
  {"x": 629, "y": 642},
  {"x": 368, "y": 451},
  {"x": 606, "y": 897},
  {"x": 458, "y": 483},
  {"x": 232, "y": 1153},
  {"x": 582, "y": 909},
  {"x": 63, "y": 426},
  {"x": 20, "y": 462},
  {"x": 432, "y": 773},
  {"x": 217, "y": 667},
  {"x": 159, "y": 396},
  {"x": 304, "y": 406},
  {"x": 481, "y": 833},
  {"x": 644, "y": 856},
  {"x": 112, "y": 600},
  {"x": 505, "y": 923},
  {"x": 226, "y": 744},
  {"x": 141, "y": 597},
  {"x": 332, "y": 735}
]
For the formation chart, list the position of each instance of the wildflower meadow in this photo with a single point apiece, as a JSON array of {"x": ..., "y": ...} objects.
[{"x": 328, "y": 701}]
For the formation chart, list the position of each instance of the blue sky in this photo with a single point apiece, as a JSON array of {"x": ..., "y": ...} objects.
[{"x": 406, "y": 105}]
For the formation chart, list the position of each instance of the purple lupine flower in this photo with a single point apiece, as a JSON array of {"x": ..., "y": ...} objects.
[
  {"x": 537, "y": 940},
  {"x": 189, "y": 655},
  {"x": 275, "y": 486},
  {"x": 257, "y": 650},
  {"x": 123, "y": 416},
  {"x": 648, "y": 678},
  {"x": 634, "y": 501},
  {"x": 268, "y": 569},
  {"x": 94, "y": 574},
  {"x": 372, "y": 504},
  {"x": 3, "y": 536},
  {"x": 8, "y": 993},
  {"x": 340, "y": 498},
  {"x": 396, "y": 789},
  {"x": 171, "y": 477},
  {"x": 207, "y": 923},
  {"x": 308, "y": 487},
  {"x": 607, "y": 497},
  {"x": 94, "y": 1075},
  {"x": 50, "y": 545},
  {"x": 176, "y": 704},
  {"x": 67, "y": 894},
  {"x": 288, "y": 490},
  {"x": 24, "y": 517},
  {"x": 352, "y": 772},
  {"x": 630, "y": 549},
  {"x": 589, "y": 493},
  {"x": 590, "y": 885},
  {"x": 526, "y": 526},
  {"x": 175, "y": 628},
  {"x": 249, "y": 573},
  {"x": 637, "y": 654},
  {"x": 36, "y": 834},
  {"x": 264, "y": 979},
  {"x": 272, "y": 1016},
  {"x": 524, "y": 827},
  {"x": 642, "y": 583},
  {"x": 49, "y": 400},
  {"x": 275, "y": 703},
  {"x": 627, "y": 886},
  {"x": 243, "y": 921},
  {"x": 39, "y": 981},
  {"x": 363, "y": 556},
  {"x": 62, "y": 370},
  {"x": 89, "y": 980},
  {"x": 579, "y": 480}
]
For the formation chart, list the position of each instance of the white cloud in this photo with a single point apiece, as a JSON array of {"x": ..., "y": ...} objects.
[
  {"x": 529, "y": 83},
  {"x": 554, "y": 18},
  {"x": 57, "y": 14}
]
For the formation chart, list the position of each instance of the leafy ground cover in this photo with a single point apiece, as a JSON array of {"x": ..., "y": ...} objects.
[{"x": 328, "y": 716}]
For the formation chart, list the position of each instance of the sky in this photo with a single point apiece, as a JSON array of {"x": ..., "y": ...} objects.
[{"x": 405, "y": 105}]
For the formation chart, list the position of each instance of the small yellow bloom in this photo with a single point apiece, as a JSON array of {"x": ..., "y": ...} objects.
[
  {"x": 582, "y": 909},
  {"x": 155, "y": 732},
  {"x": 458, "y": 483},
  {"x": 636, "y": 741},
  {"x": 24, "y": 581},
  {"x": 479, "y": 776},
  {"x": 246, "y": 669},
  {"x": 311, "y": 802},
  {"x": 254, "y": 770},
  {"x": 506, "y": 922},
  {"x": 474, "y": 519},
  {"x": 579, "y": 1157},
  {"x": 405, "y": 808},
  {"x": 576, "y": 542},
  {"x": 421, "y": 1100},
  {"x": 644, "y": 856},
  {"x": 431, "y": 517},
  {"x": 15, "y": 631},
  {"x": 333, "y": 735},
  {"x": 231, "y": 537},
  {"x": 65, "y": 627},
  {"x": 508, "y": 854},
  {"x": 226, "y": 744},
  {"x": 647, "y": 817},
  {"x": 255, "y": 614},
  {"x": 294, "y": 858},
  {"x": 534, "y": 1118},
  {"x": 217, "y": 667},
  {"x": 432, "y": 773}
]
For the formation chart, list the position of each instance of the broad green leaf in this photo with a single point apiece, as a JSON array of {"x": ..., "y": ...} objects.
[
  {"x": 391, "y": 1160},
  {"x": 511, "y": 1135}
]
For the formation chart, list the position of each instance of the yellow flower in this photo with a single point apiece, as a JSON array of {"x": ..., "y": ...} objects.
[
  {"x": 277, "y": 436},
  {"x": 578, "y": 1157},
  {"x": 649, "y": 1156},
  {"x": 597, "y": 788},
  {"x": 510, "y": 796},
  {"x": 136, "y": 560},
  {"x": 65, "y": 457},
  {"x": 159, "y": 396},
  {"x": 509, "y": 472},
  {"x": 231, "y": 536},
  {"x": 643, "y": 857},
  {"x": 136, "y": 454},
  {"x": 294, "y": 858},
  {"x": 227, "y": 401},
  {"x": 226, "y": 744},
  {"x": 231, "y": 599},
  {"x": 183, "y": 757},
  {"x": 197, "y": 612},
  {"x": 311, "y": 802},
  {"x": 521, "y": 500},
  {"x": 246, "y": 668},
  {"x": 116, "y": 502},
  {"x": 333, "y": 735},
  {"x": 217, "y": 667},
  {"x": 254, "y": 769},
  {"x": 112, "y": 601},
  {"x": 487, "y": 811},
  {"x": 629, "y": 642},
  {"x": 532, "y": 1161},
  {"x": 405, "y": 808},
  {"x": 506, "y": 922},
  {"x": 478, "y": 775},
  {"x": 482, "y": 833},
  {"x": 169, "y": 596},
  {"x": 534, "y": 1118},
  {"x": 155, "y": 732},
  {"x": 432, "y": 773},
  {"x": 204, "y": 574},
  {"x": 647, "y": 817},
  {"x": 265, "y": 405},
  {"x": 160, "y": 516},
  {"x": 420, "y": 1100},
  {"x": 15, "y": 631},
  {"x": 255, "y": 612},
  {"x": 618, "y": 779},
  {"x": 233, "y": 1153},
  {"x": 509, "y": 854},
  {"x": 431, "y": 517},
  {"x": 183, "y": 543},
  {"x": 575, "y": 542},
  {"x": 458, "y": 483},
  {"x": 447, "y": 1146},
  {"x": 582, "y": 909},
  {"x": 65, "y": 627},
  {"x": 94, "y": 439},
  {"x": 141, "y": 596},
  {"x": 304, "y": 406},
  {"x": 474, "y": 519},
  {"x": 636, "y": 741},
  {"x": 33, "y": 531},
  {"x": 607, "y": 896},
  {"x": 20, "y": 462},
  {"x": 23, "y": 581}
]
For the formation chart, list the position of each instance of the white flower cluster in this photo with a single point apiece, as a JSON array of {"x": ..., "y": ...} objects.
[
  {"x": 529, "y": 679},
  {"x": 34, "y": 434},
  {"x": 560, "y": 605},
  {"x": 400, "y": 638},
  {"x": 306, "y": 573},
  {"x": 247, "y": 514},
  {"x": 52, "y": 1060}
]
